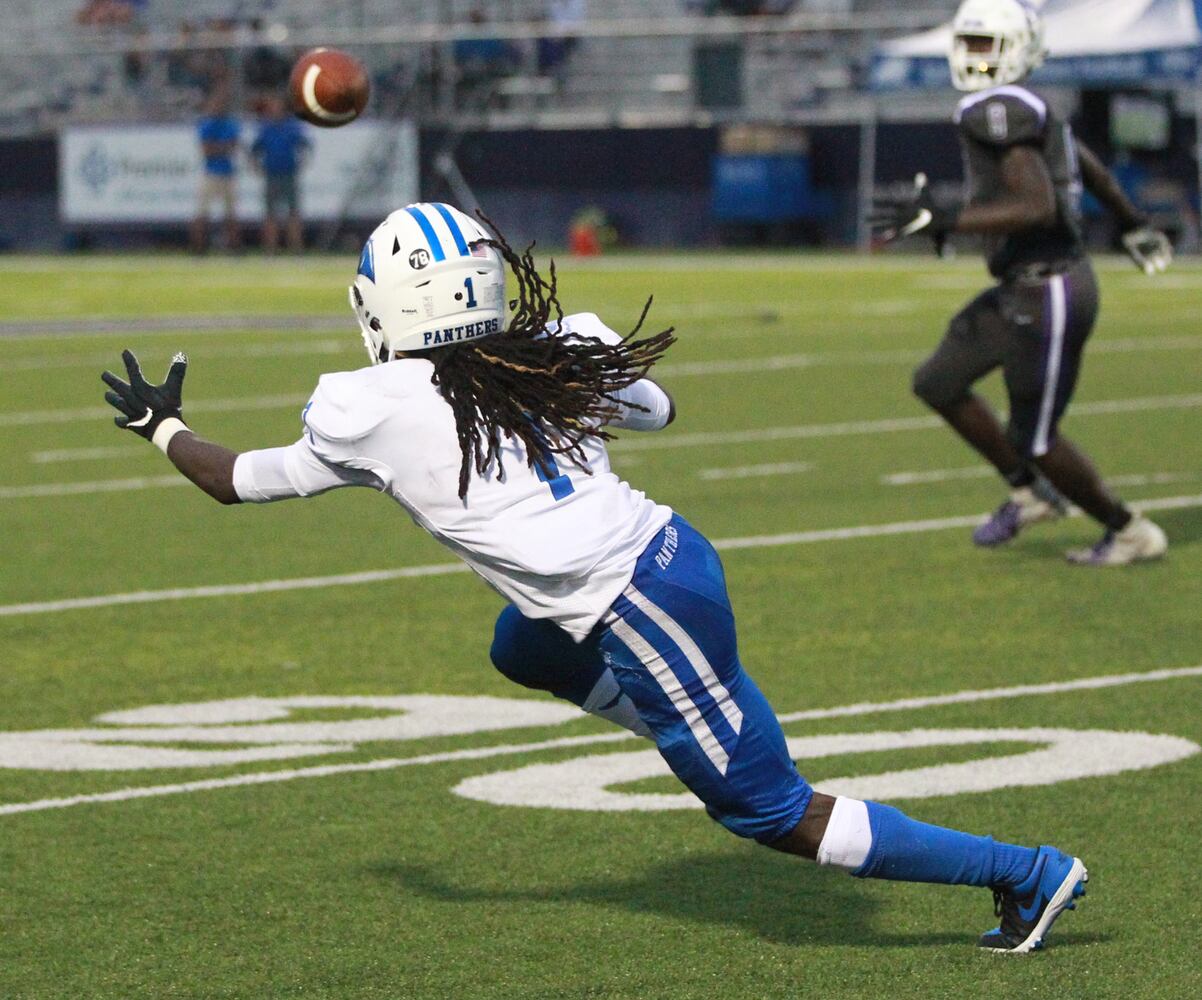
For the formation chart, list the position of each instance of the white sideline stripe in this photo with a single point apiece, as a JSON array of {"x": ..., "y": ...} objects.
[
  {"x": 232, "y": 589},
  {"x": 624, "y": 445},
  {"x": 909, "y": 527},
  {"x": 701, "y": 666},
  {"x": 85, "y": 454},
  {"x": 938, "y": 475},
  {"x": 992, "y": 694},
  {"x": 888, "y": 425},
  {"x": 670, "y": 684},
  {"x": 484, "y": 753},
  {"x": 754, "y": 471},
  {"x": 24, "y": 418},
  {"x": 986, "y": 472},
  {"x": 443, "y": 569},
  {"x": 97, "y": 486},
  {"x": 99, "y": 361},
  {"x": 895, "y": 356},
  {"x": 1133, "y": 345}
]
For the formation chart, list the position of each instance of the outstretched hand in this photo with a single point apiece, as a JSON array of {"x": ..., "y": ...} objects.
[
  {"x": 1149, "y": 248},
  {"x": 896, "y": 218},
  {"x": 142, "y": 406}
]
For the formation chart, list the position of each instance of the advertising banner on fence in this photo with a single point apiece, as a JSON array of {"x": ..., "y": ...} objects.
[{"x": 152, "y": 173}]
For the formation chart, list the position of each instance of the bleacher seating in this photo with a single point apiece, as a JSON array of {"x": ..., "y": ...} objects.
[{"x": 53, "y": 69}]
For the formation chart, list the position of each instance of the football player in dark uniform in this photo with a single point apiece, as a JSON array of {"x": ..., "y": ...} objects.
[{"x": 1026, "y": 171}]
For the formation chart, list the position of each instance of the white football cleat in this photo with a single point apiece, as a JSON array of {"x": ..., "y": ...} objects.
[{"x": 1140, "y": 541}]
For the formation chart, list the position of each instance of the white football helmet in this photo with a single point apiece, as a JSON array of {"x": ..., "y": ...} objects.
[
  {"x": 426, "y": 278},
  {"x": 995, "y": 42}
]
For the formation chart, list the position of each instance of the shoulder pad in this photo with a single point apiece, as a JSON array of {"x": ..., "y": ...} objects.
[
  {"x": 1004, "y": 116},
  {"x": 346, "y": 406}
]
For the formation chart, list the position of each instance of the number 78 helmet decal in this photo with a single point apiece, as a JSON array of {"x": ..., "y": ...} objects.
[
  {"x": 995, "y": 42},
  {"x": 427, "y": 278}
]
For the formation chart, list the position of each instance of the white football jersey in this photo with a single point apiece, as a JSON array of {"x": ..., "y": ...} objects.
[{"x": 560, "y": 542}]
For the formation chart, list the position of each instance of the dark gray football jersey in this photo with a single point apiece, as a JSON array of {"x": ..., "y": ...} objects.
[{"x": 992, "y": 122}]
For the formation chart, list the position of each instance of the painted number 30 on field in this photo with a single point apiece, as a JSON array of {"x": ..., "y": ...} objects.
[{"x": 216, "y": 734}]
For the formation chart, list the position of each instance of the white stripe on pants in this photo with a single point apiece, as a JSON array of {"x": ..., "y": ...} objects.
[{"x": 1057, "y": 321}]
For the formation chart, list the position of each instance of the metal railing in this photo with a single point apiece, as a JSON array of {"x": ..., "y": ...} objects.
[{"x": 804, "y": 66}]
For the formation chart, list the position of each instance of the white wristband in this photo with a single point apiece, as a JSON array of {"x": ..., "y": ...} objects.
[{"x": 166, "y": 431}]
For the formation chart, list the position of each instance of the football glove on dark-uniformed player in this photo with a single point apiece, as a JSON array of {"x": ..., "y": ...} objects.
[
  {"x": 896, "y": 218},
  {"x": 144, "y": 406},
  {"x": 1149, "y": 248}
]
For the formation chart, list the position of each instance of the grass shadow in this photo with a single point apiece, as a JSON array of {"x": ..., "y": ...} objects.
[
  {"x": 1184, "y": 528},
  {"x": 773, "y": 897}
]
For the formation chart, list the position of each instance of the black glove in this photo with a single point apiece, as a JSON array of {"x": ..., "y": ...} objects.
[
  {"x": 1149, "y": 248},
  {"x": 144, "y": 406},
  {"x": 896, "y": 218}
]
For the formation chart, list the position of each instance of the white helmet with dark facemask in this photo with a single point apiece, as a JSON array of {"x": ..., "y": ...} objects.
[
  {"x": 427, "y": 278},
  {"x": 995, "y": 42}
]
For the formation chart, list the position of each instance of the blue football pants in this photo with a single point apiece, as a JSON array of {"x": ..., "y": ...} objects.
[{"x": 670, "y": 642}]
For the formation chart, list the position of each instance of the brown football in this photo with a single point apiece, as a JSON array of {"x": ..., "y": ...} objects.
[{"x": 328, "y": 87}]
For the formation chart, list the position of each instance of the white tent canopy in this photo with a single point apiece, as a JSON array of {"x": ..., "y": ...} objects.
[{"x": 1092, "y": 42}]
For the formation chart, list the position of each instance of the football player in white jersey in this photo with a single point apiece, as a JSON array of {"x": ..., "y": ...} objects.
[{"x": 488, "y": 426}]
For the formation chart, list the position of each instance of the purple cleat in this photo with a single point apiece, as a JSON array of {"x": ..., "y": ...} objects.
[{"x": 1024, "y": 507}]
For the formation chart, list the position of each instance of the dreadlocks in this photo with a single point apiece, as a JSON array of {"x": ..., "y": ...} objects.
[{"x": 552, "y": 393}]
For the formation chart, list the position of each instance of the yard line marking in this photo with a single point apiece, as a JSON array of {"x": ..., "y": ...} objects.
[
  {"x": 22, "y": 418},
  {"x": 754, "y": 471},
  {"x": 885, "y": 426},
  {"x": 161, "y": 326},
  {"x": 787, "y": 362},
  {"x": 85, "y": 454},
  {"x": 26, "y": 418},
  {"x": 240, "y": 351},
  {"x": 485, "y": 753},
  {"x": 986, "y": 472},
  {"x": 232, "y": 589},
  {"x": 684, "y": 369},
  {"x": 96, "y": 486},
  {"x": 908, "y": 527},
  {"x": 291, "y": 774},
  {"x": 1137, "y": 404},
  {"x": 1129, "y": 345},
  {"x": 938, "y": 475},
  {"x": 443, "y": 569},
  {"x": 992, "y": 694}
]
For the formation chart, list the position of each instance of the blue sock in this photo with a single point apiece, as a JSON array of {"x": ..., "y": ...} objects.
[
  {"x": 905, "y": 850},
  {"x": 1012, "y": 865}
]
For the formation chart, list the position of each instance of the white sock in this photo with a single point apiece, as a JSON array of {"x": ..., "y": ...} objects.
[
  {"x": 601, "y": 703},
  {"x": 848, "y": 837}
]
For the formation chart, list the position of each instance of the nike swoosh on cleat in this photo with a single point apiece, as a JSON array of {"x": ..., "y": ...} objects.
[{"x": 1031, "y": 914}]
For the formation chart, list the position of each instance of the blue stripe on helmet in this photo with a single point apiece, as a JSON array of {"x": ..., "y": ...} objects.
[
  {"x": 367, "y": 262},
  {"x": 453, "y": 226},
  {"x": 428, "y": 231}
]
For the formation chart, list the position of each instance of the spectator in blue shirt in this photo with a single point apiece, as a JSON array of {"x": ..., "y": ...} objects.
[
  {"x": 278, "y": 152},
  {"x": 218, "y": 132}
]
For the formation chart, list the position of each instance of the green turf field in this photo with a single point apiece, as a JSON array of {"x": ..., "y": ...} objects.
[{"x": 359, "y": 871}]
